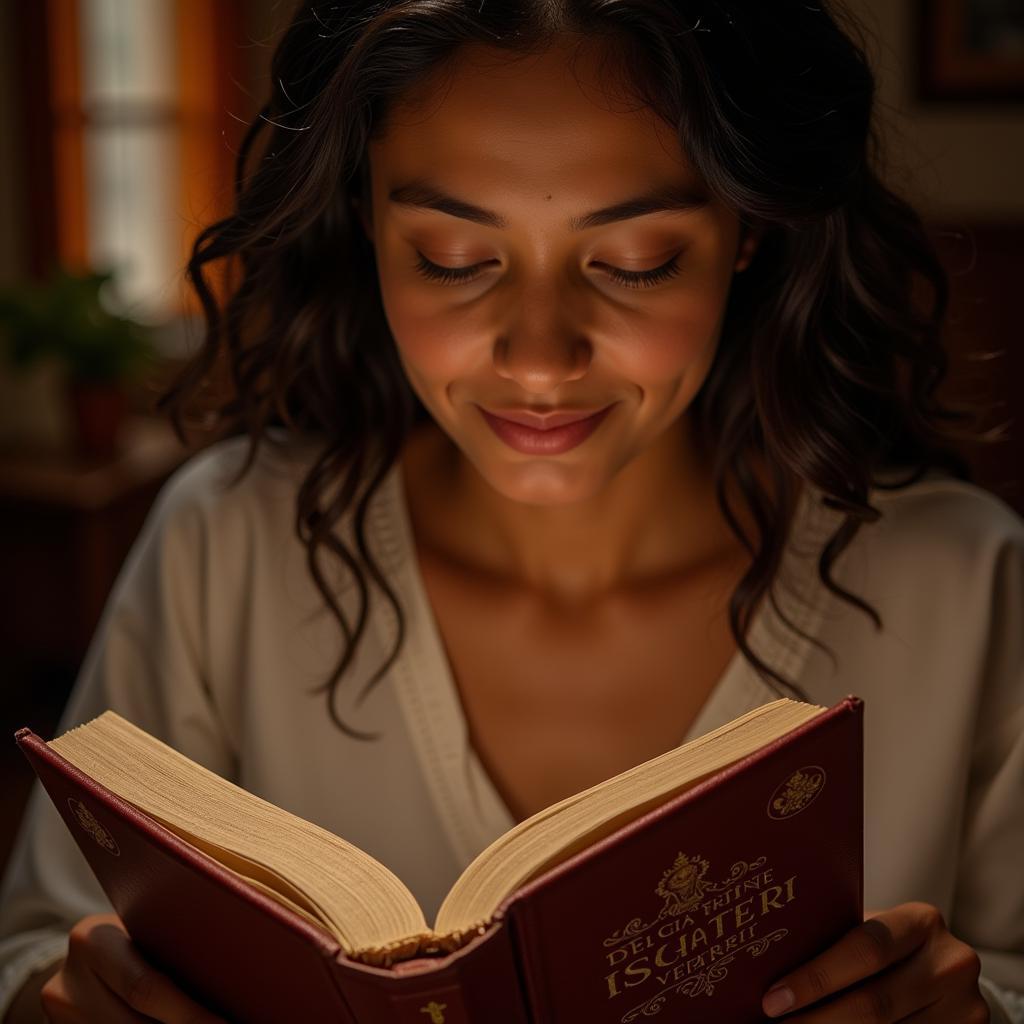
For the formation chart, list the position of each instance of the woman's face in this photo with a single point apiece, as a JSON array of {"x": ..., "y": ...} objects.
[{"x": 536, "y": 315}]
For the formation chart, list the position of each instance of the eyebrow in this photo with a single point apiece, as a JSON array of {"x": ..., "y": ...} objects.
[{"x": 426, "y": 195}]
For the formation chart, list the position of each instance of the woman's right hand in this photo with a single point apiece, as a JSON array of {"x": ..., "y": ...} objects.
[{"x": 105, "y": 978}]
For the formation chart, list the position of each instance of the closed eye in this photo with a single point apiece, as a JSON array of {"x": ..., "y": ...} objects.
[{"x": 628, "y": 278}]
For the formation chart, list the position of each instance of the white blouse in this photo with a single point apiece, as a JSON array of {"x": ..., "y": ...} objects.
[{"x": 214, "y": 637}]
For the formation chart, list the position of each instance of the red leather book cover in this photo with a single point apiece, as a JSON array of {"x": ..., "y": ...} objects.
[
  {"x": 691, "y": 911},
  {"x": 694, "y": 907}
]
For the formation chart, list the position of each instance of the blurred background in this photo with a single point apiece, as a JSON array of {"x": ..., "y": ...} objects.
[{"x": 119, "y": 124}]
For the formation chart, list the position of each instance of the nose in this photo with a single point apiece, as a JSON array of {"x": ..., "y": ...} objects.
[{"x": 543, "y": 345}]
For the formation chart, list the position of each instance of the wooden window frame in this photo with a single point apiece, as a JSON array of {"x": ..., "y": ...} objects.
[{"x": 209, "y": 64}]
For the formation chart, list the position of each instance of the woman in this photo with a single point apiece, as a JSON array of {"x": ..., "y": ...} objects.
[{"x": 468, "y": 226}]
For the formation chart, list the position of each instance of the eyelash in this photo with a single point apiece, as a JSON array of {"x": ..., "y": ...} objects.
[{"x": 627, "y": 278}]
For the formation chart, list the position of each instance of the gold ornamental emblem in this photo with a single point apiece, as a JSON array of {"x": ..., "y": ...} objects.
[
  {"x": 436, "y": 1011},
  {"x": 93, "y": 827},
  {"x": 682, "y": 886},
  {"x": 799, "y": 791}
]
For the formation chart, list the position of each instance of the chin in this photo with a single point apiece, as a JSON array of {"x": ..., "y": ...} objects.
[{"x": 542, "y": 481}]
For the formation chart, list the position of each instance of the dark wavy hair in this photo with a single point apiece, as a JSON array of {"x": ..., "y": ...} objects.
[{"x": 832, "y": 344}]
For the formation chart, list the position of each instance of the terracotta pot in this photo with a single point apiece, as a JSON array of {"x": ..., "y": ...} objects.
[{"x": 98, "y": 410}]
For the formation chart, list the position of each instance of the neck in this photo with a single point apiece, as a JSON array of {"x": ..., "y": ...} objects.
[{"x": 657, "y": 519}]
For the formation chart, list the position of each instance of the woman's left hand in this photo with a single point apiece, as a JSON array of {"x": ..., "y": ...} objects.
[{"x": 899, "y": 964}]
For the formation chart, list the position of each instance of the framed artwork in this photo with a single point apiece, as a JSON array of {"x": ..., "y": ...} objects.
[{"x": 970, "y": 49}]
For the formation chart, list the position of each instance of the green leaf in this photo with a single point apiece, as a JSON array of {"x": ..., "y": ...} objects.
[{"x": 65, "y": 319}]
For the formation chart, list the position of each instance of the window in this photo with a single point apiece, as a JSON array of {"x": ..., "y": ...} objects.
[{"x": 145, "y": 110}]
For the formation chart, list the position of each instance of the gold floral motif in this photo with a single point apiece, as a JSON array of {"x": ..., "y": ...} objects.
[
  {"x": 797, "y": 792},
  {"x": 93, "y": 827}
]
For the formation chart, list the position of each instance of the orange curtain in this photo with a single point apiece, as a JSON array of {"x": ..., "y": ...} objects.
[
  {"x": 66, "y": 121},
  {"x": 209, "y": 36},
  {"x": 208, "y": 40}
]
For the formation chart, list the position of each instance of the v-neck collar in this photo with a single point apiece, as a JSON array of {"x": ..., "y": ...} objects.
[{"x": 468, "y": 803}]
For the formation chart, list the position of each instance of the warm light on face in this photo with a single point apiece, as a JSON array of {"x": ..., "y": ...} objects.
[{"x": 538, "y": 249}]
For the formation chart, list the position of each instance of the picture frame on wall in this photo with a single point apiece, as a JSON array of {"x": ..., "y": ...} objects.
[{"x": 970, "y": 50}]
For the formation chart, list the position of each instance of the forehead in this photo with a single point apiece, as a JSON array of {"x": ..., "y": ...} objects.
[{"x": 559, "y": 117}]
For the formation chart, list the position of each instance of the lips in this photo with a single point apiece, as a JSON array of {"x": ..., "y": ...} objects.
[
  {"x": 544, "y": 421},
  {"x": 555, "y": 440}
]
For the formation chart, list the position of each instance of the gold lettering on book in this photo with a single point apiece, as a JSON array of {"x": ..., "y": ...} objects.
[
  {"x": 700, "y": 928},
  {"x": 799, "y": 790},
  {"x": 435, "y": 1011},
  {"x": 88, "y": 822}
]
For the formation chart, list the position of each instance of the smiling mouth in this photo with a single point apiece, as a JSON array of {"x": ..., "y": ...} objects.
[
  {"x": 554, "y": 440},
  {"x": 543, "y": 421}
]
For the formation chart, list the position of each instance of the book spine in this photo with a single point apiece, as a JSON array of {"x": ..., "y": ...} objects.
[{"x": 480, "y": 983}]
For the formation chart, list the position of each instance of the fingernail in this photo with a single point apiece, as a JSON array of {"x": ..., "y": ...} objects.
[{"x": 778, "y": 1000}]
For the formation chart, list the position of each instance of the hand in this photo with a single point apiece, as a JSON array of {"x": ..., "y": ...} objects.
[
  {"x": 901, "y": 964},
  {"x": 105, "y": 978}
]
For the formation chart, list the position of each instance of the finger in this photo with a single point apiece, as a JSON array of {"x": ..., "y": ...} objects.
[
  {"x": 863, "y": 951},
  {"x": 144, "y": 988},
  {"x": 63, "y": 997},
  {"x": 904, "y": 990}
]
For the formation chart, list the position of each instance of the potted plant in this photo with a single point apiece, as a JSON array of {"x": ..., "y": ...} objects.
[{"x": 64, "y": 319}]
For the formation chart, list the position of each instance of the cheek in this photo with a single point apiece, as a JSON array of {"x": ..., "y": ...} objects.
[
  {"x": 430, "y": 353},
  {"x": 659, "y": 353},
  {"x": 428, "y": 346},
  {"x": 677, "y": 338}
]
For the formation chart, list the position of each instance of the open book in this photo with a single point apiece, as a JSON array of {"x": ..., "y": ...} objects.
[{"x": 757, "y": 819}]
